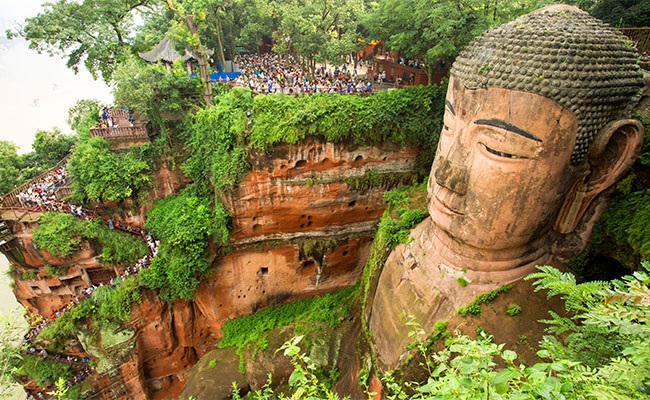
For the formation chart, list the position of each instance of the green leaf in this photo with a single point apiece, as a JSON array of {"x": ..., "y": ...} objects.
[
  {"x": 504, "y": 376},
  {"x": 296, "y": 376},
  {"x": 509, "y": 355}
]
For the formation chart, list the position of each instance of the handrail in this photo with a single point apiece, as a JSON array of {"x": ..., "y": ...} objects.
[
  {"x": 11, "y": 198},
  {"x": 120, "y": 131},
  {"x": 641, "y": 37}
]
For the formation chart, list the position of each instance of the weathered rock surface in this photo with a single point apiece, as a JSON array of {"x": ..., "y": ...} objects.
[{"x": 303, "y": 221}]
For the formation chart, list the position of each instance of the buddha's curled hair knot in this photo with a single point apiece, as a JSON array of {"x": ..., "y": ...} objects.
[{"x": 565, "y": 55}]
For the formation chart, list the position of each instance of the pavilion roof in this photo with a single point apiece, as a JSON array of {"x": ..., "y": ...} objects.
[{"x": 165, "y": 51}]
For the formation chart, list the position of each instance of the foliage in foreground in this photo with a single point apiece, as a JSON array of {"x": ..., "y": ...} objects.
[
  {"x": 12, "y": 328},
  {"x": 183, "y": 224},
  {"x": 610, "y": 318},
  {"x": 62, "y": 233}
]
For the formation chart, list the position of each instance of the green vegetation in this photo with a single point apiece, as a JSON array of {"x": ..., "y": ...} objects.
[
  {"x": 99, "y": 174},
  {"x": 411, "y": 115},
  {"x": 111, "y": 304},
  {"x": 462, "y": 281},
  {"x": 44, "y": 372},
  {"x": 62, "y": 233},
  {"x": 183, "y": 224},
  {"x": 601, "y": 351},
  {"x": 12, "y": 327},
  {"x": 48, "y": 149},
  {"x": 217, "y": 152},
  {"x": 475, "y": 306},
  {"x": 513, "y": 309},
  {"x": 624, "y": 230},
  {"x": 252, "y": 330},
  {"x": 164, "y": 98},
  {"x": 406, "y": 206},
  {"x": 55, "y": 270},
  {"x": 28, "y": 275}
]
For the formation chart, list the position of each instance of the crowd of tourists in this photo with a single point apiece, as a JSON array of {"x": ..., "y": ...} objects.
[
  {"x": 274, "y": 73},
  {"x": 41, "y": 191},
  {"x": 41, "y": 194}
]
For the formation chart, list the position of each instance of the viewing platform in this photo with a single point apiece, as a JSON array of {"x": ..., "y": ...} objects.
[{"x": 121, "y": 130}]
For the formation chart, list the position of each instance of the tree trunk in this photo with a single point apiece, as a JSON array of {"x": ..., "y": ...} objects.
[
  {"x": 204, "y": 68},
  {"x": 222, "y": 57},
  {"x": 430, "y": 74}
]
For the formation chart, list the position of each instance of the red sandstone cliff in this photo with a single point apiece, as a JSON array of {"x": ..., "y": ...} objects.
[{"x": 303, "y": 220}]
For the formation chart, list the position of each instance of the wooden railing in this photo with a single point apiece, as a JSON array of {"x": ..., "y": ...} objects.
[
  {"x": 640, "y": 37},
  {"x": 120, "y": 132},
  {"x": 62, "y": 192},
  {"x": 120, "y": 113},
  {"x": 11, "y": 199}
]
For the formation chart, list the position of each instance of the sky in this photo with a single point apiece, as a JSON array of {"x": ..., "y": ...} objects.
[{"x": 36, "y": 90}]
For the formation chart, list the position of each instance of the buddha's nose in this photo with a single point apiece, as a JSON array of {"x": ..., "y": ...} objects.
[{"x": 452, "y": 175}]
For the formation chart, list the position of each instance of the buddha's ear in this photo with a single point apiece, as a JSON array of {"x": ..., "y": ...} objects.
[{"x": 610, "y": 155}]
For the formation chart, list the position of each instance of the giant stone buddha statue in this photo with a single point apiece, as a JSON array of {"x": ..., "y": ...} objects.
[{"x": 536, "y": 126}]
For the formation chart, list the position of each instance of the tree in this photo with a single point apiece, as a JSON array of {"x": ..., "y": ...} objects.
[
  {"x": 9, "y": 166},
  {"x": 95, "y": 32},
  {"x": 309, "y": 27},
  {"x": 622, "y": 13},
  {"x": 51, "y": 146},
  {"x": 163, "y": 97},
  {"x": 99, "y": 174},
  {"x": 438, "y": 30},
  {"x": 191, "y": 14},
  {"x": 12, "y": 326},
  {"x": 84, "y": 115}
]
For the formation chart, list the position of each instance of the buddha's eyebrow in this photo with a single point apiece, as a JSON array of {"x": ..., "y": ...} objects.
[
  {"x": 451, "y": 108},
  {"x": 497, "y": 123}
]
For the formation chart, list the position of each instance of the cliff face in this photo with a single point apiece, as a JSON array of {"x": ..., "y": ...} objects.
[{"x": 303, "y": 220}]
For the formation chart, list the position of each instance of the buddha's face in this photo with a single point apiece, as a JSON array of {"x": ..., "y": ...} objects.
[{"x": 502, "y": 168}]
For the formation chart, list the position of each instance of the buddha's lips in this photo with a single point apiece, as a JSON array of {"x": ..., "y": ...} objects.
[{"x": 442, "y": 207}]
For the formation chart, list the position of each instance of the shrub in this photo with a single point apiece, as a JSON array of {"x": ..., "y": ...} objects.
[
  {"x": 62, "y": 234},
  {"x": 410, "y": 115},
  {"x": 44, "y": 372},
  {"x": 99, "y": 174},
  {"x": 111, "y": 303},
  {"x": 251, "y": 329},
  {"x": 217, "y": 152},
  {"x": 461, "y": 281},
  {"x": 183, "y": 224}
]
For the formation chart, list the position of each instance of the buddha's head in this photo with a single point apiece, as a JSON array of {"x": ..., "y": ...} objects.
[{"x": 536, "y": 126}]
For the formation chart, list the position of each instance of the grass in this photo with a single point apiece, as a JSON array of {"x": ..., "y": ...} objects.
[
  {"x": 475, "y": 306},
  {"x": 253, "y": 330}
]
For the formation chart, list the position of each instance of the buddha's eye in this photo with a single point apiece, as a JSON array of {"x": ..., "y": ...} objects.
[
  {"x": 500, "y": 153},
  {"x": 445, "y": 128}
]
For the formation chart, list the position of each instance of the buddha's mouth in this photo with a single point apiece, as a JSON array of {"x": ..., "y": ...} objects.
[{"x": 440, "y": 205}]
